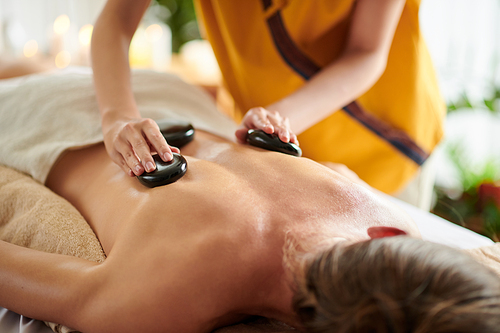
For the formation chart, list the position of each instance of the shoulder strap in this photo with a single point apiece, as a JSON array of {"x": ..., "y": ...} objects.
[{"x": 305, "y": 67}]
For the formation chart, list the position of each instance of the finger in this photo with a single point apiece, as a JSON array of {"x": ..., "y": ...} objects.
[
  {"x": 130, "y": 158},
  {"x": 140, "y": 147},
  {"x": 293, "y": 136},
  {"x": 157, "y": 141},
  {"x": 263, "y": 123},
  {"x": 280, "y": 126},
  {"x": 172, "y": 148},
  {"x": 241, "y": 134},
  {"x": 175, "y": 149},
  {"x": 283, "y": 133},
  {"x": 118, "y": 159},
  {"x": 258, "y": 119}
]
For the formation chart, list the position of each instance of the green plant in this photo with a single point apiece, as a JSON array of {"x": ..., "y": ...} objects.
[
  {"x": 470, "y": 176},
  {"x": 492, "y": 103},
  {"x": 182, "y": 21},
  {"x": 475, "y": 208},
  {"x": 491, "y": 220},
  {"x": 462, "y": 102}
]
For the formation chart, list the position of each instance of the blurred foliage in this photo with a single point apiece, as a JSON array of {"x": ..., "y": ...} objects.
[
  {"x": 492, "y": 103},
  {"x": 491, "y": 220},
  {"x": 182, "y": 21},
  {"x": 472, "y": 208},
  {"x": 477, "y": 205},
  {"x": 469, "y": 207},
  {"x": 470, "y": 176},
  {"x": 470, "y": 212}
]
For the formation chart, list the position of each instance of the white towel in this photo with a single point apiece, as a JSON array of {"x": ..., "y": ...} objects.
[{"x": 43, "y": 115}]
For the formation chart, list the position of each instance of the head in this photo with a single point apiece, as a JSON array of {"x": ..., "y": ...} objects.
[{"x": 396, "y": 284}]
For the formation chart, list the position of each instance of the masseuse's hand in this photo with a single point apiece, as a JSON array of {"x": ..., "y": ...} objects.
[
  {"x": 268, "y": 121},
  {"x": 131, "y": 142}
]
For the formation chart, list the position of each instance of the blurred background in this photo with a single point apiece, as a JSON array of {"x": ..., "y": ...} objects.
[{"x": 463, "y": 37}]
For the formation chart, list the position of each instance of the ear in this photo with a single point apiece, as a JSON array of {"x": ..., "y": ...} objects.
[{"x": 381, "y": 232}]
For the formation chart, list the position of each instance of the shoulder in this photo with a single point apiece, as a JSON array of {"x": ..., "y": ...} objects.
[
  {"x": 134, "y": 299},
  {"x": 185, "y": 290}
]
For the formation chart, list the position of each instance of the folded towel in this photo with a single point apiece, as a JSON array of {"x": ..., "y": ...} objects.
[
  {"x": 488, "y": 256},
  {"x": 33, "y": 216}
]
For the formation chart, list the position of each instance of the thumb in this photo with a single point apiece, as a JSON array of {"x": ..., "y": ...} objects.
[{"x": 241, "y": 134}]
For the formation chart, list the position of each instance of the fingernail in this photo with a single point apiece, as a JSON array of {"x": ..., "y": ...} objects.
[
  {"x": 150, "y": 167},
  {"x": 167, "y": 157},
  {"x": 138, "y": 169}
]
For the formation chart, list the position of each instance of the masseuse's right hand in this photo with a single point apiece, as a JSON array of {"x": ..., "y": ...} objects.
[{"x": 130, "y": 142}]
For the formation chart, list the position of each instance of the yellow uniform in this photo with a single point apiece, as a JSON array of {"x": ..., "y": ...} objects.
[{"x": 267, "y": 49}]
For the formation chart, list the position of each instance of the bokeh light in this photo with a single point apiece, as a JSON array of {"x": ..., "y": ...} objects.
[
  {"x": 154, "y": 32},
  {"x": 61, "y": 24},
  {"x": 85, "y": 34},
  {"x": 63, "y": 59},
  {"x": 30, "y": 48}
]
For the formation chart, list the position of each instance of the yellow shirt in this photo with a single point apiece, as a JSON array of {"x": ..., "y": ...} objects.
[{"x": 268, "y": 49}]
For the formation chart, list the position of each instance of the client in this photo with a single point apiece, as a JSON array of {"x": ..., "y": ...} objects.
[{"x": 244, "y": 233}]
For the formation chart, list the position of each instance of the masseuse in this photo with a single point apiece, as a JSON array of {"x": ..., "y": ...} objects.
[{"x": 305, "y": 60}]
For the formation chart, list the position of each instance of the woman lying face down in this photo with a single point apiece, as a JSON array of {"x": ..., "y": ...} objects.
[
  {"x": 208, "y": 251},
  {"x": 245, "y": 232}
]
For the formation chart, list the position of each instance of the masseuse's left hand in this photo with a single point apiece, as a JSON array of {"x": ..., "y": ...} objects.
[{"x": 268, "y": 121}]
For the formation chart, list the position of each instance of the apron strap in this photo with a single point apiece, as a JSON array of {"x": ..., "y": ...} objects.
[{"x": 305, "y": 67}]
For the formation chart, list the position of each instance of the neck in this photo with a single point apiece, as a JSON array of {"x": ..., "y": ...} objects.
[
  {"x": 269, "y": 297},
  {"x": 276, "y": 301}
]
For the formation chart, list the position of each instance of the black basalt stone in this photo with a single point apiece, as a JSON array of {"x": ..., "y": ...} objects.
[
  {"x": 165, "y": 173},
  {"x": 261, "y": 139},
  {"x": 177, "y": 133}
]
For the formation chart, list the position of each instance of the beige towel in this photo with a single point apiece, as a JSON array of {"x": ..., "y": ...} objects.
[
  {"x": 42, "y": 115},
  {"x": 487, "y": 255},
  {"x": 33, "y": 216}
]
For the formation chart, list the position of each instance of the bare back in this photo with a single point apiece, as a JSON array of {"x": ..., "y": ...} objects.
[{"x": 207, "y": 250}]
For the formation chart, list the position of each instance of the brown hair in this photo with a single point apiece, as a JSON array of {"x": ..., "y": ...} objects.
[{"x": 398, "y": 285}]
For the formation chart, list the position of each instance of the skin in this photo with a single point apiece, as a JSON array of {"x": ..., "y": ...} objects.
[
  {"x": 130, "y": 139},
  {"x": 195, "y": 255}
]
